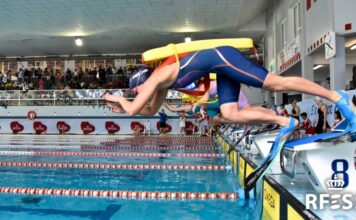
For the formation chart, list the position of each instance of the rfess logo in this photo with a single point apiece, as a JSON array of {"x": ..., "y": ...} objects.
[
  {"x": 338, "y": 182},
  {"x": 335, "y": 184}
]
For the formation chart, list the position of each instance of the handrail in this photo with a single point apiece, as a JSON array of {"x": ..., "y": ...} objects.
[{"x": 68, "y": 97}]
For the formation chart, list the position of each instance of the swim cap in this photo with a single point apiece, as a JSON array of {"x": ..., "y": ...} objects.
[
  {"x": 317, "y": 98},
  {"x": 139, "y": 76}
]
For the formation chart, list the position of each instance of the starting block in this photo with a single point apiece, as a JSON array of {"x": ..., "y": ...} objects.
[{"x": 328, "y": 160}]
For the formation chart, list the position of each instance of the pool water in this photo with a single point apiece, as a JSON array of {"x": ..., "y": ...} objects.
[{"x": 55, "y": 207}]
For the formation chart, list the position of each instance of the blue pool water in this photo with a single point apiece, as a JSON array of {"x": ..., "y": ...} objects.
[{"x": 46, "y": 207}]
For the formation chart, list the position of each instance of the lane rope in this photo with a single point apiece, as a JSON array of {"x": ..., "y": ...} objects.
[
  {"x": 89, "y": 147},
  {"x": 119, "y": 194},
  {"x": 107, "y": 154},
  {"x": 63, "y": 165}
]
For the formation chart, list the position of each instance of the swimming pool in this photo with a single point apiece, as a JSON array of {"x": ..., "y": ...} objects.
[{"x": 159, "y": 167}]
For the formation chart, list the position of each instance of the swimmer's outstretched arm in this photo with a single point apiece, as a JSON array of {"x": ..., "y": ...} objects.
[
  {"x": 122, "y": 105},
  {"x": 155, "y": 104},
  {"x": 203, "y": 99},
  {"x": 185, "y": 107},
  {"x": 154, "y": 89}
]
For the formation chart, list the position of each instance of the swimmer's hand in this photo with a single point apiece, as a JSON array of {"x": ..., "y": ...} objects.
[
  {"x": 112, "y": 98},
  {"x": 202, "y": 112},
  {"x": 116, "y": 107}
]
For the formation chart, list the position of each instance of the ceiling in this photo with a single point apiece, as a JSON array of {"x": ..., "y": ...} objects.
[{"x": 48, "y": 27}]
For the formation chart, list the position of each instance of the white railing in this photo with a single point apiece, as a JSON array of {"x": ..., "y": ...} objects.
[{"x": 68, "y": 97}]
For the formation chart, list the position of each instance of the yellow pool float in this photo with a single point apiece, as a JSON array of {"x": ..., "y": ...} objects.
[{"x": 157, "y": 54}]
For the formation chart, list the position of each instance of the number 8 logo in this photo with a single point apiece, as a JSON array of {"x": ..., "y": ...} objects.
[{"x": 345, "y": 167}]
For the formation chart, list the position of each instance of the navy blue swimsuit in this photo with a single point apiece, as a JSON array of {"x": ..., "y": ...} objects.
[{"x": 230, "y": 66}]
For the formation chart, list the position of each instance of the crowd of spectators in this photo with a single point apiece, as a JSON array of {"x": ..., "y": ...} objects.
[{"x": 48, "y": 78}]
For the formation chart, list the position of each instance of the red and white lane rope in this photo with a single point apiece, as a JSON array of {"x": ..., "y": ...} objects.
[
  {"x": 177, "y": 148},
  {"x": 92, "y": 147},
  {"x": 112, "y": 166},
  {"x": 118, "y": 194},
  {"x": 188, "y": 140},
  {"x": 104, "y": 154}
]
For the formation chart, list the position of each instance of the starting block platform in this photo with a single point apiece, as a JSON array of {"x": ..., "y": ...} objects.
[
  {"x": 332, "y": 153},
  {"x": 320, "y": 164}
]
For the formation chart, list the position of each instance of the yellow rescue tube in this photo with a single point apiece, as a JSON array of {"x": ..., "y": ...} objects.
[
  {"x": 160, "y": 53},
  {"x": 212, "y": 76},
  {"x": 190, "y": 98}
]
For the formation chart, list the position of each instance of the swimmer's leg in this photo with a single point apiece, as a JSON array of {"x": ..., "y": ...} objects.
[
  {"x": 242, "y": 70},
  {"x": 251, "y": 116},
  {"x": 259, "y": 108},
  {"x": 277, "y": 83}
]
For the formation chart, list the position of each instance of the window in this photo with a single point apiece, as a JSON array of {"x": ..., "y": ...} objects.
[
  {"x": 297, "y": 19},
  {"x": 283, "y": 33}
]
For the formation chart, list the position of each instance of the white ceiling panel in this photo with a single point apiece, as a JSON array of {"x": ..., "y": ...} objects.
[{"x": 48, "y": 27}]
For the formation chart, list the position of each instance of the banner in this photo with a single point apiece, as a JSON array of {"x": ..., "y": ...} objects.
[{"x": 70, "y": 125}]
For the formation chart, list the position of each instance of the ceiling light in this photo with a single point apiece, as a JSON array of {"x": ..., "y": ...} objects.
[
  {"x": 317, "y": 67},
  {"x": 78, "y": 41},
  {"x": 188, "y": 39},
  {"x": 353, "y": 47}
]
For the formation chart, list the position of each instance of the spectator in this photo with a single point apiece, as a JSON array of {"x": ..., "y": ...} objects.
[
  {"x": 102, "y": 76},
  {"x": 207, "y": 131},
  {"x": 182, "y": 121},
  {"x": 69, "y": 75},
  {"x": 41, "y": 84},
  {"x": 162, "y": 122},
  {"x": 295, "y": 110},
  {"x": 274, "y": 108},
  {"x": 328, "y": 82},
  {"x": 306, "y": 125},
  {"x": 337, "y": 118},
  {"x": 120, "y": 72},
  {"x": 197, "y": 123},
  {"x": 136, "y": 131},
  {"x": 38, "y": 73},
  {"x": 322, "y": 124},
  {"x": 21, "y": 75},
  {"x": 204, "y": 122},
  {"x": 109, "y": 70},
  {"x": 284, "y": 111}
]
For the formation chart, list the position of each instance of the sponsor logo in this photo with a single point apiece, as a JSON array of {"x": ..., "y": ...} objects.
[
  {"x": 189, "y": 128},
  {"x": 269, "y": 199},
  {"x": 63, "y": 127},
  {"x": 39, "y": 127},
  {"x": 16, "y": 127},
  {"x": 86, "y": 127},
  {"x": 135, "y": 124},
  {"x": 166, "y": 129},
  {"x": 31, "y": 115},
  {"x": 112, "y": 127}
]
